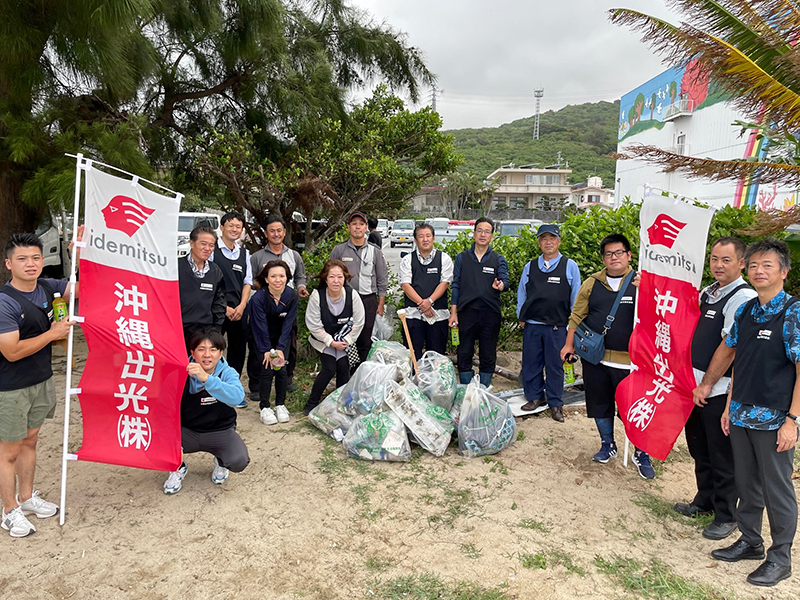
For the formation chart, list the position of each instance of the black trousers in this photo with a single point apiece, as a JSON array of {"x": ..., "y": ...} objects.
[
  {"x": 426, "y": 336},
  {"x": 483, "y": 326},
  {"x": 291, "y": 358},
  {"x": 364, "y": 341},
  {"x": 764, "y": 479},
  {"x": 237, "y": 343},
  {"x": 281, "y": 378},
  {"x": 600, "y": 384},
  {"x": 329, "y": 367},
  {"x": 713, "y": 460},
  {"x": 225, "y": 445}
]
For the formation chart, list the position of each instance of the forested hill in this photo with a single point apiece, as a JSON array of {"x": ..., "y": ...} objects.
[{"x": 586, "y": 135}]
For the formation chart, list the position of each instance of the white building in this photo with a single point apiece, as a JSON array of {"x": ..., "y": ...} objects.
[
  {"x": 591, "y": 193},
  {"x": 679, "y": 111},
  {"x": 528, "y": 186}
]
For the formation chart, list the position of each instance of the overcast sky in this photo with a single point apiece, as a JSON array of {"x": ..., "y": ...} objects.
[{"x": 489, "y": 56}]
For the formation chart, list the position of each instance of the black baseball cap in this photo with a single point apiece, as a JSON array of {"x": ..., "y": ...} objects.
[
  {"x": 360, "y": 215},
  {"x": 548, "y": 228}
]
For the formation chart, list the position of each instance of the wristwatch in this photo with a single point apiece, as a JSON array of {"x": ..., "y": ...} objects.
[{"x": 792, "y": 417}]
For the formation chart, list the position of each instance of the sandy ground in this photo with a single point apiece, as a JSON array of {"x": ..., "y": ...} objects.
[{"x": 304, "y": 521}]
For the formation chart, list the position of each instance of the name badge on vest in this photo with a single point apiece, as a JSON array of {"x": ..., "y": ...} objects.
[
  {"x": 433, "y": 270},
  {"x": 343, "y": 320},
  {"x": 347, "y": 259},
  {"x": 237, "y": 267},
  {"x": 209, "y": 287},
  {"x": 554, "y": 280},
  {"x": 283, "y": 314},
  {"x": 710, "y": 314},
  {"x": 207, "y": 400},
  {"x": 626, "y": 300},
  {"x": 764, "y": 334},
  {"x": 489, "y": 270}
]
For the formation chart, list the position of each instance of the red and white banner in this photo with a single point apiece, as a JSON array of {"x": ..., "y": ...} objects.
[
  {"x": 131, "y": 386},
  {"x": 655, "y": 400}
]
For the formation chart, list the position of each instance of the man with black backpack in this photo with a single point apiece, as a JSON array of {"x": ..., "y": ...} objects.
[{"x": 605, "y": 303}]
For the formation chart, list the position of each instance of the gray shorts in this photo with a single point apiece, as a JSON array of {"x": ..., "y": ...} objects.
[{"x": 21, "y": 410}]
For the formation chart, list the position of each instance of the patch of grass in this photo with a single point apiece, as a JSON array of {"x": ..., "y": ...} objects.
[
  {"x": 497, "y": 467},
  {"x": 456, "y": 503},
  {"x": 429, "y": 586},
  {"x": 471, "y": 550},
  {"x": 559, "y": 557},
  {"x": 621, "y": 524},
  {"x": 531, "y": 561},
  {"x": 520, "y": 435},
  {"x": 362, "y": 498},
  {"x": 662, "y": 509},
  {"x": 533, "y": 524},
  {"x": 548, "y": 441},
  {"x": 375, "y": 563},
  {"x": 656, "y": 580},
  {"x": 680, "y": 453},
  {"x": 331, "y": 462},
  {"x": 513, "y": 506}
]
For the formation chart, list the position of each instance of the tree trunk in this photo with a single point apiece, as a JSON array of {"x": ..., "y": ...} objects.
[{"x": 16, "y": 216}]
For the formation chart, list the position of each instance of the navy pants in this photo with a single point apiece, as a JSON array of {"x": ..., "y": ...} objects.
[
  {"x": 542, "y": 368},
  {"x": 426, "y": 336}
]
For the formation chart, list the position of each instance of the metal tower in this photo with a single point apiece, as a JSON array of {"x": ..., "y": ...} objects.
[{"x": 538, "y": 94}]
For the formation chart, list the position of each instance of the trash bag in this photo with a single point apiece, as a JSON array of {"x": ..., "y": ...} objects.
[
  {"x": 327, "y": 417},
  {"x": 458, "y": 400},
  {"x": 392, "y": 353},
  {"x": 429, "y": 424},
  {"x": 486, "y": 424},
  {"x": 364, "y": 392},
  {"x": 436, "y": 377},
  {"x": 384, "y": 327},
  {"x": 378, "y": 436}
]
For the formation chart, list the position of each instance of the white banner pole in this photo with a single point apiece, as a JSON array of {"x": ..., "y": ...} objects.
[{"x": 68, "y": 385}]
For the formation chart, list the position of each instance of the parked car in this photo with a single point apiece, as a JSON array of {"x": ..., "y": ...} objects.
[
  {"x": 188, "y": 221},
  {"x": 513, "y": 228},
  {"x": 383, "y": 228},
  {"x": 403, "y": 232}
]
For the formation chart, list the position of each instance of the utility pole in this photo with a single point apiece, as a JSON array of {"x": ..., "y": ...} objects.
[
  {"x": 538, "y": 94},
  {"x": 434, "y": 91}
]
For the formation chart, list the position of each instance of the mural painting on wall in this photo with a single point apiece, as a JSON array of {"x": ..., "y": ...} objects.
[{"x": 646, "y": 106}]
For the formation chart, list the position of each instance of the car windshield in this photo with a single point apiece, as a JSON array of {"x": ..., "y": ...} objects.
[
  {"x": 383, "y": 223},
  {"x": 187, "y": 223},
  {"x": 512, "y": 228},
  {"x": 404, "y": 225}
]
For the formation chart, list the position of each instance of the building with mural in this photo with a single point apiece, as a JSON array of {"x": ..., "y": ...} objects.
[{"x": 679, "y": 110}]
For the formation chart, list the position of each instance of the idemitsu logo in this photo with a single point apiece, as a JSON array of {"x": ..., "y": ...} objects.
[
  {"x": 664, "y": 231},
  {"x": 126, "y": 215}
]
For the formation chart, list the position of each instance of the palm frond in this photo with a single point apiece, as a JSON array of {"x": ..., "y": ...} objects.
[{"x": 714, "y": 170}]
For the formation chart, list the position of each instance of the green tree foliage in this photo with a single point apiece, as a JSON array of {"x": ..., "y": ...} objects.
[
  {"x": 747, "y": 49},
  {"x": 373, "y": 160},
  {"x": 586, "y": 135}
]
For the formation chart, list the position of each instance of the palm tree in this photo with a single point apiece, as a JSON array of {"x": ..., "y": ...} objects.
[{"x": 747, "y": 48}]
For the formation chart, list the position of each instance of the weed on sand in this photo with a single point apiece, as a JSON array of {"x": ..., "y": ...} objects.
[
  {"x": 661, "y": 509},
  {"x": 428, "y": 586}
]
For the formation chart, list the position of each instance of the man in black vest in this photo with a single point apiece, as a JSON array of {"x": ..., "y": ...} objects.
[
  {"x": 425, "y": 275},
  {"x": 208, "y": 420},
  {"x": 480, "y": 275},
  {"x": 202, "y": 285},
  {"x": 592, "y": 306},
  {"x": 27, "y": 393},
  {"x": 234, "y": 261},
  {"x": 762, "y": 411},
  {"x": 710, "y": 448},
  {"x": 547, "y": 290}
]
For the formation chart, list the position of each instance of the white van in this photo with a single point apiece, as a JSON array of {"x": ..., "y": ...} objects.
[
  {"x": 188, "y": 221},
  {"x": 402, "y": 232}
]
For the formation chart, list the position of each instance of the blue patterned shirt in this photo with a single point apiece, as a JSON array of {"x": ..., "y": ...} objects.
[{"x": 759, "y": 417}]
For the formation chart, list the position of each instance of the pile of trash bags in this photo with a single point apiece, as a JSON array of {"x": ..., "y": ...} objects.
[{"x": 383, "y": 408}]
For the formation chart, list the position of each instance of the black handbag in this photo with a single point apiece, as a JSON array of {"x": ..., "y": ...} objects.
[{"x": 589, "y": 344}]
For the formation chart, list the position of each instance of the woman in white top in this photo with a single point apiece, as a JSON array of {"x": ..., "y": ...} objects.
[{"x": 335, "y": 318}]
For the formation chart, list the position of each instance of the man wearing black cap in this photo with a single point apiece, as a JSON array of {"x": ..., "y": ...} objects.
[
  {"x": 367, "y": 265},
  {"x": 547, "y": 290}
]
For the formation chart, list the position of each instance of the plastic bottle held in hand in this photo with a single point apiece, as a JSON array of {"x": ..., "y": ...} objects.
[
  {"x": 454, "y": 335},
  {"x": 277, "y": 363},
  {"x": 569, "y": 372},
  {"x": 60, "y": 310}
]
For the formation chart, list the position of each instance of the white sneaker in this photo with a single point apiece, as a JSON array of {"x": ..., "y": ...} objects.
[
  {"x": 268, "y": 417},
  {"x": 220, "y": 474},
  {"x": 174, "y": 482},
  {"x": 283, "y": 414},
  {"x": 16, "y": 523},
  {"x": 35, "y": 505}
]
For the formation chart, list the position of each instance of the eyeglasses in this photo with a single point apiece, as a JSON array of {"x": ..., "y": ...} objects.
[
  {"x": 615, "y": 254},
  {"x": 484, "y": 231}
]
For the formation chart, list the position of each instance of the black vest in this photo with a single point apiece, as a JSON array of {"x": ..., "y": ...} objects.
[
  {"x": 475, "y": 286},
  {"x": 37, "y": 367},
  {"x": 708, "y": 333},
  {"x": 197, "y": 295},
  {"x": 233, "y": 271},
  {"x": 333, "y": 323},
  {"x": 764, "y": 375},
  {"x": 425, "y": 279},
  {"x": 601, "y": 301},
  {"x": 203, "y": 413},
  {"x": 547, "y": 295}
]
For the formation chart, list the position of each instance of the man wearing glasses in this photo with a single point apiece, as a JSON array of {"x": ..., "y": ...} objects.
[{"x": 480, "y": 275}]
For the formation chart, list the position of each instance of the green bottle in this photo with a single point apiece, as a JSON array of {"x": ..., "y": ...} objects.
[
  {"x": 454, "y": 335},
  {"x": 569, "y": 372},
  {"x": 60, "y": 310},
  {"x": 273, "y": 356}
]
